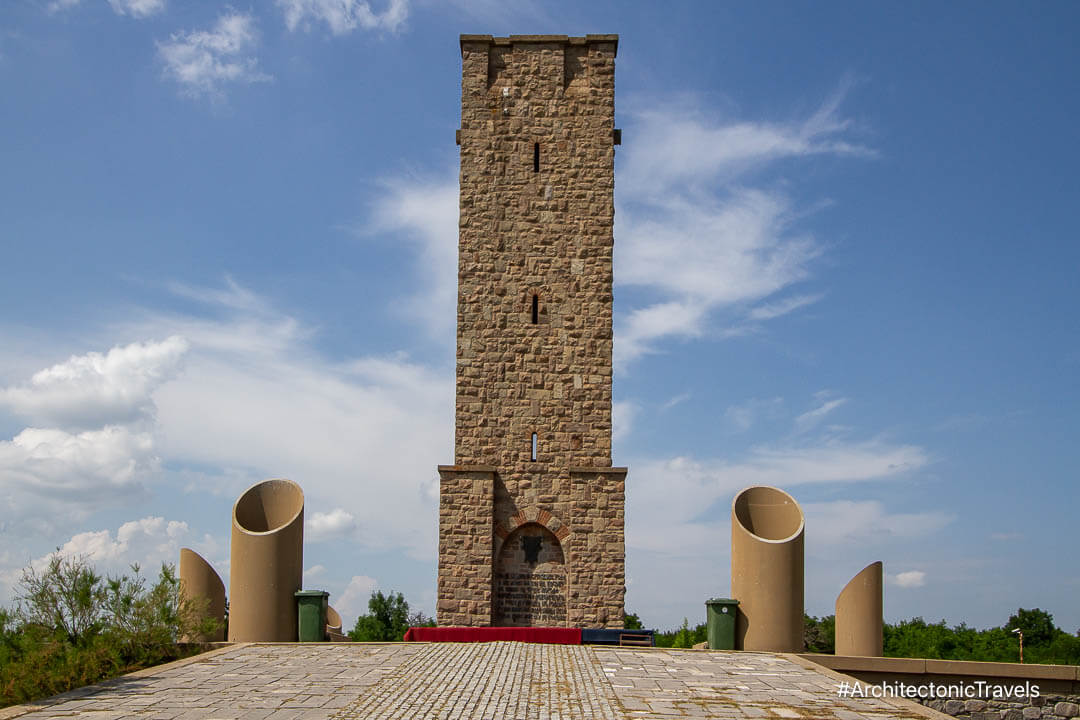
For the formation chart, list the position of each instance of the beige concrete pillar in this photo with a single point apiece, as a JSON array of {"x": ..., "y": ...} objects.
[
  {"x": 859, "y": 614},
  {"x": 767, "y": 569},
  {"x": 333, "y": 621},
  {"x": 267, "y": 562},
  {"x": 199, "y": 582}
]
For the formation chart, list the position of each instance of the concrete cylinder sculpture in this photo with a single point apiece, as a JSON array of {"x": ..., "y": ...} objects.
[
  {"x": 859, "y": 614},
  {"x": 267, "y": 562},
  {"x": 333, "y": 621},
  {"x": 767, "y": 569},
  {"x": 201, "y": 584}
]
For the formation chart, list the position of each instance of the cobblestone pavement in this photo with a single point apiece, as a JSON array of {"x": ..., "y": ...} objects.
[
  {"x": 482, "y": 681},
  {"x": 474, "y": 681}
]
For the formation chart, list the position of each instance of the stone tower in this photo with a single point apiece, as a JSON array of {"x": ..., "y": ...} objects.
[{"x": 531, "y": 513}]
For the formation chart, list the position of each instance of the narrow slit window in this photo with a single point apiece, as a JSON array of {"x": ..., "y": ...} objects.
[
  {"x": 535, "y": 447},
  {"x": 536, "y": 157},
  {"x": 535, "y": 309}
]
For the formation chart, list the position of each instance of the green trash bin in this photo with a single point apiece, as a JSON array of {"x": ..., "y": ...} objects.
[
  {"x": 720, "y": 623},
  {"x": 311, "y": 614}
]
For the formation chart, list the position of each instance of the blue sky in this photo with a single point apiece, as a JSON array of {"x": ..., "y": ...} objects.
[{"x": 845, "y": 266}]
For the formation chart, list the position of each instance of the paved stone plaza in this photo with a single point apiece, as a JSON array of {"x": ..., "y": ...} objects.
[{"x": 489, "y": 681}]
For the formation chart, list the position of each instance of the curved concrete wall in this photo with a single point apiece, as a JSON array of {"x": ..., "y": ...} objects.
[
  {"x": 333, "y": 621},
  {"x": 767, "y": 569},
  {"x": 199, "y": 580},
  {"x": 267, "y": 562},
  {"x": 859, "y": 614}
]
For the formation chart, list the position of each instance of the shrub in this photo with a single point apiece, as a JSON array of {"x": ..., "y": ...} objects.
[{"x": 71, "y": 627}]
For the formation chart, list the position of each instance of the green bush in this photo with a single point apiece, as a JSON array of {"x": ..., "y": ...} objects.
[{"x": 72, "y": 627}]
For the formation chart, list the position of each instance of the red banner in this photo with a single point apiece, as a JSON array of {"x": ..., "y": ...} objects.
[{"x": 558, "y": 636}]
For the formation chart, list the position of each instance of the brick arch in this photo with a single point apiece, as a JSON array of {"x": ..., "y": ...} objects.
[{"x": 530, "y": 514}]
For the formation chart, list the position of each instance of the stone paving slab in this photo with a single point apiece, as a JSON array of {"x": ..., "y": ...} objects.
[
  {"x": 473, "y": 681},
  {"x": 653, "y": 683},
  {"x": 254, "y": 682}
]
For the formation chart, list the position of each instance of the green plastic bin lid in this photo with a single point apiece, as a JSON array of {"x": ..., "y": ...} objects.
[
  {"x": 721, "y": 601},
  {"x": 311, "y": 593}
]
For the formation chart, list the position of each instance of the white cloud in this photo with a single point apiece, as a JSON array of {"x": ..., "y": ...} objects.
[
  {"x": 692, "y": 231},
  {"x": 203, "y": 61},
  {"x": 93, "y": 390},
  {"x": 314, "y": 573},
  {"x": 720, "y": 251},
  {"x": 812, "y": 418},
  {"x": 678, "y": 517},
  {"x": 148, "y": 542},
  {"x": 362, "y": 437},
  {"x": 354, "y": 601},
  {"x": 782, "y": 307},
  {"x": 681, "y": 146},
  {"x": 88, "y": 467},
  {"x": 325, "y": 526},
  {"x": 424, "y": 213},
  {"x": 678, "y": 399},
  {"x": 344, "y": 16},
  {"x": 667, "y": 505},
  {"x": 61, "y": 5},
  {"x": 637, "y": 333},
  {"x": 748, "y": 413},
  {"x": 622, "y": 418},
  {"x": 848, "y": 522},
  {"x": 232, "y": 297},
  {"x": 909, "y": 579},
  {"x": 137, "y": 8}
]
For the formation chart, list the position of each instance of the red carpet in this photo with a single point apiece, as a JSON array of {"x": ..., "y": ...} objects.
[{"x": 557, "y": 636}]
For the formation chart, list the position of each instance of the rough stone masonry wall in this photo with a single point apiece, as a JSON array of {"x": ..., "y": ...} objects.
[
  {"x": 546, "y": 232},
  {"x": 536, "y": 219},
  {"x": 598, "y": 586},
  {"x": 1043, "y": 707},
  {"x": 465, "y": 500}
]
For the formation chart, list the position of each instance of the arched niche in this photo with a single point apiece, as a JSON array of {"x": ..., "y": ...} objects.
[{"x": 530, "y": 579}]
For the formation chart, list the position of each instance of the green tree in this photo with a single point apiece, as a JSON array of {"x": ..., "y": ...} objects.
[
  {"x": 386, "y": 621},
  {"x": 1037, "y": 625},
  {"x": 632, "y": 622},
  {"x": 419, "y": 619},
  {"x": 819, "y": 636}
]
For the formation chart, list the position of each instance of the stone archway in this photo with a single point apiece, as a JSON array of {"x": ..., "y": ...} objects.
[{"x": 530, "y": 579}]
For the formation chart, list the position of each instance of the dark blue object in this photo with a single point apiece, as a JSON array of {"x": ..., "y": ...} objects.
[{"x": 606, "y": 636}]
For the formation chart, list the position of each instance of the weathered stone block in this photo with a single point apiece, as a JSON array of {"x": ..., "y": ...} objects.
[
  {"x": 954, "y": 707},
  {"x": 1067, "y": 709}
]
